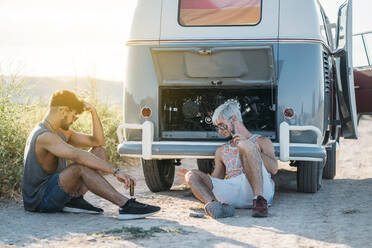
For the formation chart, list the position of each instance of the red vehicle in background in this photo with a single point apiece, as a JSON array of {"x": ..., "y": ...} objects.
[{"x": 362, "y": 56}]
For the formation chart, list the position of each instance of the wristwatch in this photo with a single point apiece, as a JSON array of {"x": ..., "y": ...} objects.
[{"x": 116, "y": 171}]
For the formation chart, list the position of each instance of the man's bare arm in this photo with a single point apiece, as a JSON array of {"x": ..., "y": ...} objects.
[
  {"x": 55, "y": 145},
  {"x": 268, "y": 155},
  {"x": 219, "y": 167},
  {"x": 84, "y": 140}
]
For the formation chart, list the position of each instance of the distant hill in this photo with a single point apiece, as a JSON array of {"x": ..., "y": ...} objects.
[{"x": 42, "y": 88}]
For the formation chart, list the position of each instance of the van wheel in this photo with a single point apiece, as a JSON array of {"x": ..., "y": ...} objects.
[
  {"x": 205, "y": 165},
  {"x": 329, "y": 171},
  {"x": 159, "y": 174},
  {"x": 309, "y": 176}
]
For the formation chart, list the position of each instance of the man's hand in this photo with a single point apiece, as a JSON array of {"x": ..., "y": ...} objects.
[
  {"x": 242, "y": 142},
  {"x": 88, "y": 107},
  {"x": 125, "y": 178}
]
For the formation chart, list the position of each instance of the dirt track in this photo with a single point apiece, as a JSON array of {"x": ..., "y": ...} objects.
[{"x": 339, "y": 215}]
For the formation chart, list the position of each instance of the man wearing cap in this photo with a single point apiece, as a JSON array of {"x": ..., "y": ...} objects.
[{"x": 50, "y": 185}]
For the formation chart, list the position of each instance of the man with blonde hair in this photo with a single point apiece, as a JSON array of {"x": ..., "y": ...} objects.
[
  {"x": 50, "y": 185},
  {"x": 242, "y": 172}
]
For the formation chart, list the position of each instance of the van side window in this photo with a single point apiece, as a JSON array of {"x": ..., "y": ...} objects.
[
  {"x": 323, "y": 26},
  {"x": 219, "y": 13},
  {"x": 368, "y": 46},
  {"x": 342, "y": 22},
  {"x": 361, "y": 44}
]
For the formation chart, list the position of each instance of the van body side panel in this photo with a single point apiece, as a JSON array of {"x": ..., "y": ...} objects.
[
  {"x": 140, "y": 89},
  {"x": 301, "y": 84},
  {"x": 299, "y": 20},
  {"x": 267, "y": 28},
  {"x": 146, "y": 20}
]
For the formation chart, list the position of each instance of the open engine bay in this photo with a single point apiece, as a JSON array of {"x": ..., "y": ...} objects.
[{"x": 186, "y": 113}]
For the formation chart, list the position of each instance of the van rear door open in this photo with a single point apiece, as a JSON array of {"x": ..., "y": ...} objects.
[{"x": 345, "y": 78}]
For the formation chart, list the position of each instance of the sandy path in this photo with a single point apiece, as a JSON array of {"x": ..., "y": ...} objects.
[{"x": 339, "y": 215}]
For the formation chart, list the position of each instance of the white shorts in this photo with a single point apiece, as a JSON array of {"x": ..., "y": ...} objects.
[{"x": 238, "y": 192}]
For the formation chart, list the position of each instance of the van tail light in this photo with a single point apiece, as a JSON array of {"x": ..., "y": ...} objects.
[
  {"x": 146, "y": 112},
  {"x": 289, "y": 113}
]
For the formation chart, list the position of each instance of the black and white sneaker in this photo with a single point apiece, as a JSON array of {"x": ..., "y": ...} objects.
[
  {"x": 136, "y": 210},
  {"x": 79, "y": 205}
]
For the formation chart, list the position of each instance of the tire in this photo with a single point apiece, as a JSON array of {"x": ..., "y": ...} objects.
[
  {"x": 309, "y": 176},
  {"x": 159, "y": 174},
  {"x": 205, "y": 165},
  {"x": 329, "y": 171}
]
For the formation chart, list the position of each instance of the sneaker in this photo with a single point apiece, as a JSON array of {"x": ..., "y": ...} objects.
[
  {"x": 228, "y": 210},
  {"x": 260, "y": 208},
  {"x": 218, "y": 210},
  {"x": 136, "y": 210},
  {"x": 79, "y": 205}
]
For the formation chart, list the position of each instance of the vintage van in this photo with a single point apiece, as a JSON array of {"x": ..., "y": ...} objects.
[{"x": 276, "y": 57}]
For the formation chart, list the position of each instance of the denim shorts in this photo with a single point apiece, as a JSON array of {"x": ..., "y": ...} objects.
[{"x": 54, "y": 198}]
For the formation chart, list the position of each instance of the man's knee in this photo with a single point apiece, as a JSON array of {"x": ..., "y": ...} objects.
[
  {"x": 70, "y": 178},
  {"x": 100, "y": 152},
  {"x": 192, "y": 176},
  {"x": 72, "y": 169}
]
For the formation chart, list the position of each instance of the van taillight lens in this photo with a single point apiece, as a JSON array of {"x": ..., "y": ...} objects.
[
  {"x": 288, "y": 113},
  {"x": 146, "y": 112}
]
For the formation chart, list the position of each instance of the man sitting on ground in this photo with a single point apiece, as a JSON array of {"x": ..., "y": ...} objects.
[
  {"x": 49, "y": 185},
  {"x": 242, "y": 172}
]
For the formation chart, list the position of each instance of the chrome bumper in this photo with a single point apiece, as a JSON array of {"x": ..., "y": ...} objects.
[{"x": 150, "y": 149}]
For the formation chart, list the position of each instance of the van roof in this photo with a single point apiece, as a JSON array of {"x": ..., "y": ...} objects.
[{"x": 158, "y": 20}]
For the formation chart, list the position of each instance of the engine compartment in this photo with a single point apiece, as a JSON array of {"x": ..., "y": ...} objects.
[{"x": 186, "y": 113}]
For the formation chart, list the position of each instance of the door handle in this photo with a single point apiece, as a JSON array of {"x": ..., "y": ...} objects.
[
  {"x": 205, "y": 52},
  {"x": 216, "y": 82},
  {"x": 356, "y": 86}
]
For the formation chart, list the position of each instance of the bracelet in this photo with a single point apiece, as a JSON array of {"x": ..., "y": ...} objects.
[{"x": 116, "y": 171}]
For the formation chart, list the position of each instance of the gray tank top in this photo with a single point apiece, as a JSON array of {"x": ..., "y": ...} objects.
[{"x": 34, "y": 178}]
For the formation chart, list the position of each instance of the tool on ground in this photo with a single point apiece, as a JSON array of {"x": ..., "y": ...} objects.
[
  {"x": 197, "y": 215},
  {"x": 131, "y": 190}
]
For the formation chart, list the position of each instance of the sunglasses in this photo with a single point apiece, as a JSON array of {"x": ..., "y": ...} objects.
[
  {"x": 76, "y": 116},
  {"x": 224, "y": 127}
]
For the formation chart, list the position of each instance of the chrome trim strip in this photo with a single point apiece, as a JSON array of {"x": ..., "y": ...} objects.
[
  {"x": 212, "y": 157},
  {"x": 221, "y": 41}
]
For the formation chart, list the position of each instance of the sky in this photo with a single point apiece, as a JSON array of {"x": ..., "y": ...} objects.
[{"x": 87, "y": 37}]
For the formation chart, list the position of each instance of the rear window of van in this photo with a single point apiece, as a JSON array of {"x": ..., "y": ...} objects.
[{"x": 219, "y": 12}]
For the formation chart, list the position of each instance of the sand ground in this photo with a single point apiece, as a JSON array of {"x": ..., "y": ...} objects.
[{"x": 339, "y": 215}]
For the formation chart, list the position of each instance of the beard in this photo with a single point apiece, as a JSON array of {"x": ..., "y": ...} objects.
[{"x": 64, "y": 124}]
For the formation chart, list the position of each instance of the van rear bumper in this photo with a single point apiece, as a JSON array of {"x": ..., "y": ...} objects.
[
  {"x": 174, "y": 150},
  {"x": 149, "y": 149}
]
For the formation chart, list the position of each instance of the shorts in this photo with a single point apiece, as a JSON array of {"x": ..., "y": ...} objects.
[
  {"x": 54, "y": 198},
  {"x": 238, "y": 192}
]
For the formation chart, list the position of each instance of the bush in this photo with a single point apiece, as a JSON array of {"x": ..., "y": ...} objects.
[
  {"x": 12, "y": 136},
  {"x": 18, "y": 119}
]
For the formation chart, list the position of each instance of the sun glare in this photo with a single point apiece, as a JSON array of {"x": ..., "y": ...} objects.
[
  {"x": 87, "y": 37},
  {"x": 74, "y": 38}
]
